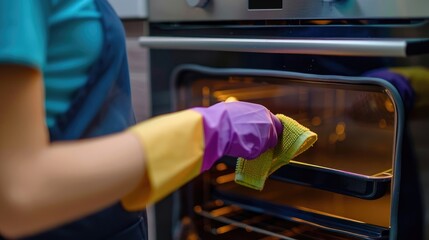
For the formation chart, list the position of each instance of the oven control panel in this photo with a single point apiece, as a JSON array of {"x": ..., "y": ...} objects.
[
  {"x": 228, "y": 10},
  {"x": 262, "y": 5}
]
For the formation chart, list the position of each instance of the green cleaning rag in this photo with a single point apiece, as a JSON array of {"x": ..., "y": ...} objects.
[{"x": 294, "y": 140}]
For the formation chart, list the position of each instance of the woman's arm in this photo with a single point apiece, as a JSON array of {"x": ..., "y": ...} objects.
[{"x": 43, "y": 185}]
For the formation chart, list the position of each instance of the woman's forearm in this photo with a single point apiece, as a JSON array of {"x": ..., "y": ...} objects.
[
  {"x": 43, "y": 185},
  {"x": 68, "y": 180}
]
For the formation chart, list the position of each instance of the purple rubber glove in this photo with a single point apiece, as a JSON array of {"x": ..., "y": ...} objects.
[
  {"x": 237, "y": 129},
  {"x": 400, "y": 82}
]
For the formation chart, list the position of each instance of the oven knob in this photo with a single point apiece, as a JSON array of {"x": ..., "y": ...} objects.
[{"x": 197, "y": 3}]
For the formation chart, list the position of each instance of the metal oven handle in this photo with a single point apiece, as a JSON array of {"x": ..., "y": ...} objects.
[{"x": 335, "y": 47}]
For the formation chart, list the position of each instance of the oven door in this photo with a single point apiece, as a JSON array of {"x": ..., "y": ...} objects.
[{"x": 331, "y": 190}]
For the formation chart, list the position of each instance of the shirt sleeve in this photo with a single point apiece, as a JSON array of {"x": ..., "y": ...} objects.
[{"x": 24, "y": 32}]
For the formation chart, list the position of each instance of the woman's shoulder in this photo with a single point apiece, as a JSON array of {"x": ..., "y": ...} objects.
[{"x": 23, "y": 27}]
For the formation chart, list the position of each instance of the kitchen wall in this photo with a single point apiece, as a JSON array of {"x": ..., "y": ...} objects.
[
  {"x": 134, "y": 15},
  {"x": 138, "y": 64}
]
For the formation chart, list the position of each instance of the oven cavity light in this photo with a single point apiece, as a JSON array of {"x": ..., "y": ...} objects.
[
  {"x": 218, "y": 202},
  {"x": 340, "y": 128},
  {"x": 197, "y": 209},
  {"x": 205, "y": 91},
  {"x": 389, "y": 106},
  {"x": 221, "y": 167},
  {"x": 382, "y": 123},
  {"x": 340, "y": 133}
]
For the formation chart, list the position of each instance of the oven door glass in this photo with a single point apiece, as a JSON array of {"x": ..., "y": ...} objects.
[{"x": 346, "y": 175}]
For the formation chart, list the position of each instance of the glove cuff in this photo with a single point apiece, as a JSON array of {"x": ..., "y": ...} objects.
[{"x": 174, "y": 147}]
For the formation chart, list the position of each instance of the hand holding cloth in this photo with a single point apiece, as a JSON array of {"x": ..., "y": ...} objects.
[{"x": 181, "y": 145}]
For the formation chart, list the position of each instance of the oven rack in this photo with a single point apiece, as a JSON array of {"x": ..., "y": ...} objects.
[
  {"x": 333, "y": 180},
  {"x": 227, "y": 216}
]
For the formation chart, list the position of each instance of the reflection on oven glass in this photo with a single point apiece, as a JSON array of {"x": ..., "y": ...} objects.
[{"x": 355, "y": 125}]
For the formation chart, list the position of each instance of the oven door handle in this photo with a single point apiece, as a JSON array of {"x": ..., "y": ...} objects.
[{"x": 333, "y": 47}]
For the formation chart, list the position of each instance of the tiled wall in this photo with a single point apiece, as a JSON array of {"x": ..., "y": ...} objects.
[{"x": 138, "y": 63}]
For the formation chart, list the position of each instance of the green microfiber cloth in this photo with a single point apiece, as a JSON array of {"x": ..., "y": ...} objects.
[{"x": 294, "y": 140}]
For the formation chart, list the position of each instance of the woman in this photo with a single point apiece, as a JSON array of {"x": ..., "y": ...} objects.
[{"x": 64, "y": 84}]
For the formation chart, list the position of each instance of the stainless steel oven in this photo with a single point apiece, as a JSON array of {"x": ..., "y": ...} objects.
[{"x": 308, "y": 59}]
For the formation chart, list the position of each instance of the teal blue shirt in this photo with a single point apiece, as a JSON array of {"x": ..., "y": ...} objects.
[{"x": 62, "y": 38}]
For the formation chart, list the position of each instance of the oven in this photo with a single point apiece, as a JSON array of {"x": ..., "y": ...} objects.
[{"x": 308, "y": 59}]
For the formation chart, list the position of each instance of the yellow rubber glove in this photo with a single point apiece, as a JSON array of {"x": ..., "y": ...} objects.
[{"x": 174, "y": 147}]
